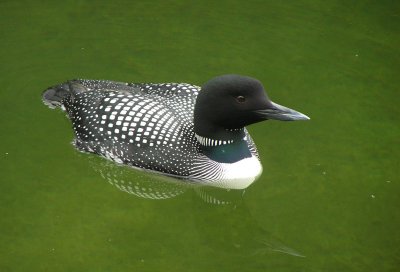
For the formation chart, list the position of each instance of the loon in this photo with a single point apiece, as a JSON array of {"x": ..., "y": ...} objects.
[{"x": 176, "y": 129}]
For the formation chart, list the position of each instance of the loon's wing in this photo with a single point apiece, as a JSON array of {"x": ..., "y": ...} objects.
[
  {"x": 130, "y": 124},
  {"x": 57, "y": 95},
  {"x": 175, "y": 91},
  {"x": 96, "y": 85},
  {"x": 179, "y": 97}
]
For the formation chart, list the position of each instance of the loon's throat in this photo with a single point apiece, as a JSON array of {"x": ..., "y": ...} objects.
[
  {"x": 204, "y": 141},
  {"x": 224, "y": 137},
  {"x": 228, "y": 153}
]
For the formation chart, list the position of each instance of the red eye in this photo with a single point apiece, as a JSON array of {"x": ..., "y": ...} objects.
[{"x": 240, "y": 99}]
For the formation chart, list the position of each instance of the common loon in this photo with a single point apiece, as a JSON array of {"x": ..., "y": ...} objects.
[{"x": 178, "y": 129}]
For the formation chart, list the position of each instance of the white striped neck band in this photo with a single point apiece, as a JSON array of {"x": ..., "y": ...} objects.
[{"x": 211, "y": 142}]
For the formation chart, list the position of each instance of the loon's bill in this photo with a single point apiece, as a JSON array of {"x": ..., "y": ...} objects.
[{"x": 282, "y": 113}]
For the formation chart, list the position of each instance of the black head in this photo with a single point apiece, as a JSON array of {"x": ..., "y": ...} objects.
[{"x": 231, "y": 102}]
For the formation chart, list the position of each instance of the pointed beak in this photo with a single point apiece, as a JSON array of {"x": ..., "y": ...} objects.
[{"x": 278, "y": 112}]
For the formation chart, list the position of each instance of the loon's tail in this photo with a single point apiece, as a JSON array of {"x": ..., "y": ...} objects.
[{"x": 54, "y": 96}]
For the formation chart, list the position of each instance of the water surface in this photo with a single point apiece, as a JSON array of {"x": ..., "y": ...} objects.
[{"x": 330, "y": 188}]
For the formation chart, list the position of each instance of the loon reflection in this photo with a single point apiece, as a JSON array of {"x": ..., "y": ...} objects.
[
  {"x": 231, "y": 235},
  {"x": 150, "y": 185}
]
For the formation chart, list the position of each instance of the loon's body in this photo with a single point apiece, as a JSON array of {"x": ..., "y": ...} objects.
[{"x": 172, "y": 128}]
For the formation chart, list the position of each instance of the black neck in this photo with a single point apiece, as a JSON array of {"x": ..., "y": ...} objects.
[{"x": 213, "y": 121}]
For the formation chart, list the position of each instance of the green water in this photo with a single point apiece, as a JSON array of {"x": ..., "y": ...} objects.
[{"x": 330, "y": 190}]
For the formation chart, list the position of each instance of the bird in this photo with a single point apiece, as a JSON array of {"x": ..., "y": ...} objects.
[{"x": 196, "y": 134}]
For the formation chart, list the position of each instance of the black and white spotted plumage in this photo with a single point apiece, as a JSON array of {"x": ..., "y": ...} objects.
[{"x": 151, "y": 126}]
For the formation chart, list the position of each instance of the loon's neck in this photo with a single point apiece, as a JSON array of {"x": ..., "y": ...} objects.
[
  {"x": 214, "y": 126},
  {"x": 219, "y": 136},
  {"x": 225, "y": 151}
]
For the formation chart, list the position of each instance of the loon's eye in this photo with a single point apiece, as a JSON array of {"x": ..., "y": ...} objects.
[{"x": 240, "y": 99}]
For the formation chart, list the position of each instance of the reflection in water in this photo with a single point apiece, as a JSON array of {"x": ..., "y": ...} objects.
[
  {"x": 238, "y": 232},
  {"x": 150, "y": 185},
  {"x": 224, "y": 207},
  {"x": 138, "y": 182}
]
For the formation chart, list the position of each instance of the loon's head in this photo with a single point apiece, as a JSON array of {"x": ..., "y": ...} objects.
[{"x": 228, "y": 103}]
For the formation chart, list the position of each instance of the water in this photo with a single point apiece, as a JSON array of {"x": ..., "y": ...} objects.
[{"x": 328, "y": 198}]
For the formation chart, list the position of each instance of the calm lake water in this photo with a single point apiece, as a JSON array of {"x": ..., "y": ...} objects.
[{"x": 328, "y": 199}]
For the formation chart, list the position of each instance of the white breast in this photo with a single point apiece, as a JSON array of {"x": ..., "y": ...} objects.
[{"x": 238, "y": 175}]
